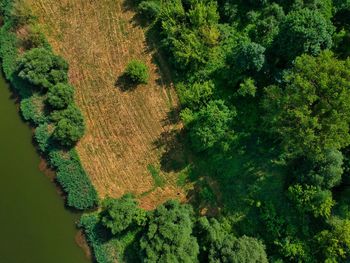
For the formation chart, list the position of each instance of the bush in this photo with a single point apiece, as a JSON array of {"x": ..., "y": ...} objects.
[
  {"x": 42, "y": 136},
  {"x": 81, "y": 194},
  {"x": 32, "y": 109},
  {"x": 137, "y": 72},
  {"x": 60, "y": 96},
  {"x": 70, "y": 126},
  {"x": 96, "y": 236},
  {"x": 41, "y": 68},
  {"x": 149, "y": 9}
]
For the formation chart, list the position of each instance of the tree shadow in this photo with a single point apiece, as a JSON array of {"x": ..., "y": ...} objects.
[
  {"x": 174, "y": 157},
  {"x": 137, "y": 19},
  {"x": 125, "y": 84}
]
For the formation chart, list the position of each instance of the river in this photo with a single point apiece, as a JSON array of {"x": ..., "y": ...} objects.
[{"x": 35, "y": 227}]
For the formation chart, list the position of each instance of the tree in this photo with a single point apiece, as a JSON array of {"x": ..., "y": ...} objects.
[
  {"x": 68, "y": 133},
  {"x": 328, "y": 170},
  {"x": 41, "y": 68},
  {"x": 70, "y": 126},
  {"x": 149, "y": 9},
  {"x": 303, "y": 31},
  {"x": 219, "y": 245},
  {"x": 311, "y": 199},
  {"x": 334, "y": 244},
  {"x": 60, "y": 96},
  {"x": 310, "y": 111},
  {"x": 212, "y": 125},
  {"x": 137, "y": 72},
  {"x": 196, "y": 94},
  {"x": 250, "y": 57},
  {"x": 168, "y": 235},
  {"x": 119, "y": 214}
]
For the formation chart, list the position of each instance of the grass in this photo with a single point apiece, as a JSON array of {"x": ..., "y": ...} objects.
[
  {"x": 124, "y": 127},
  {"x": 158, "y": 180}
]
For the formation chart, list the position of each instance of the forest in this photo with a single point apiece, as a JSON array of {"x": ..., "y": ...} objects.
[
  {"x": 264, "y": 88},
  {"x": 265, "y": 98}
]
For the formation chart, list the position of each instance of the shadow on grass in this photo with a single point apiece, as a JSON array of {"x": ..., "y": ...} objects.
[{"x": 125, "y": 84}]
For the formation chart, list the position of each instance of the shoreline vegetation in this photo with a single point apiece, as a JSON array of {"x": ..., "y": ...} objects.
[{"x": 34, "y": 72}]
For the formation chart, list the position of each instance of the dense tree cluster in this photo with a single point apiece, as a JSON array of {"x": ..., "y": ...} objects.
[
  {"x": 46, "y": 73},
  {"x": 266, "y": 84}
]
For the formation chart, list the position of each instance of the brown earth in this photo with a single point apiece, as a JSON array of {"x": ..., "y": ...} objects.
[{"x": 127, "y": 128}]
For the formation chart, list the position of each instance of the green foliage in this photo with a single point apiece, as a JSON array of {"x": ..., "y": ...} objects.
[
  {"x": 247, "y": 88},
  {"x": 73, "y": 179},
  {"x": 212, "y": 126},
  {"x": 311, "y": 199},
  {"x": 158, "y": 180},
  {"x": 137, "y": 72},
  {"x": 219, "y": 245},
  {"x": 42, "y": 136},
  {"x": 168, "y": 235},
  {"x": 250, "y": 57},
  {"x": 32, "y": 109},
  {"x": 196, "y": 94},
  {"x": 310, "y": 110},
  {"x": 149, "y": 9},
  {"x": 327, "y": 172},
  {"x": 41, "y": 68},
  {"x": 96, "y": 237},
  {"x": 8, "y": 52},
  {"x": 120, "y": 214},
  {"x": 303, "y": 31},
  {"x": 70, "y": 125},
  {"x": 60, "y": 96},
  {"x": 334, "y": 244}
]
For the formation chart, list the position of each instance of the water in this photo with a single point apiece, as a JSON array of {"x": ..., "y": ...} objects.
[{"x": 34, "y": 225}]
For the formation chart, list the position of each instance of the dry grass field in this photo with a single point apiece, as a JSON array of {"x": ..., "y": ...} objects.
[{"x": 128, "y": 131}]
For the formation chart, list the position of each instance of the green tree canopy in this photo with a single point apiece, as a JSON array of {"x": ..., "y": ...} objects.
[
  {"x": 334, "y": 244},
  {"x": 218, "y": 244},
  {"x": 212, "y": 125},
  {"x": 60, "y": 96},
  {"x": 303, "y": 31},
  {"x": 310, "y": 110},
  {"x": 70, "y": 125},
  {"x": 41, "y": 68},
  {"x": 137, "y": 72},
  {"x": 168, "y": 236},
  {"x": 118, "y": 214}
]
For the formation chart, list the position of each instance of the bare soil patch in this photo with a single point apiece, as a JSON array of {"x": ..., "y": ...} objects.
[{"x": 126, "y": 129}]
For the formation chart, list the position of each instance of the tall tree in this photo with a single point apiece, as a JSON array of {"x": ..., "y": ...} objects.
[
  {"x": 168, "y": 235},
  {"x": 310, "y": 111}
]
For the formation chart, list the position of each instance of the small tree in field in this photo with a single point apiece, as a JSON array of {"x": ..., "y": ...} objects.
[{"x": 137, "y": 72}]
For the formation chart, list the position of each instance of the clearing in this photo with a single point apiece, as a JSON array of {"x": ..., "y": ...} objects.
[{"x": 129, "y": 131}]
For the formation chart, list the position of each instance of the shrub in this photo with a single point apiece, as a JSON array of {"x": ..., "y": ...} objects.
[
  {"x": 41, "y": 68},
  {"x": 81, "y": 194},
  {"x": 137, "y": 72},
  {"x": 60, "y": 96},
  {"x": 68, "y": 133},
  {"x": 119, "y": 214},
  {"x": 149, "y": 9},
  {"x": 70, "y": 126},
  {"x": 42, "y": 136},
  {"x": 32, "y": 109}
]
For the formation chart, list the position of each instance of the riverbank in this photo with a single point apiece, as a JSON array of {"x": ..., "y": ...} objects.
[
  {"x": 34, "y": 223},
  {"x": 61, "y": 164},
  {"x": 20, "y": 43}
]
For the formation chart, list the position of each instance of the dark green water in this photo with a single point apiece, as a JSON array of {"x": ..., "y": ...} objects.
[{"x": 34, "y": 225}]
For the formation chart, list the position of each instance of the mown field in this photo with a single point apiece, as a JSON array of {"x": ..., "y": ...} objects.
[{"x": 129, "y": 130}]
